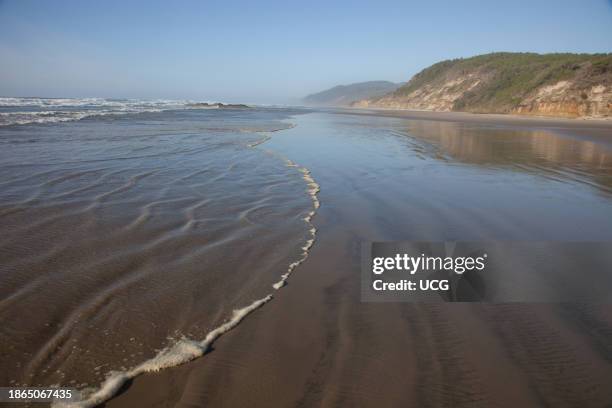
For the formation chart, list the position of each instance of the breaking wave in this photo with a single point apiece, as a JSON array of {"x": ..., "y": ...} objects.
[{"x": 22, "y": 111}]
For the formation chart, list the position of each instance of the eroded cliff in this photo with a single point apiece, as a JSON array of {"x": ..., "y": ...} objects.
[{"x": 567, "y": 85}]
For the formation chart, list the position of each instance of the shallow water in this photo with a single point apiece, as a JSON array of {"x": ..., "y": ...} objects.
[
  {"x": 385, "y": 179},
  {"x": 400, "y": 179},
  {"x": 123, "y": 234}
]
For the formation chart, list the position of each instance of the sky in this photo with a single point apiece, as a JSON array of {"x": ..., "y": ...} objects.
[{"x": 268, "y": 51}]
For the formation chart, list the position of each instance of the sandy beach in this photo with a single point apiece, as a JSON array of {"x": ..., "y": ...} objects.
[
  {"x": 305, "y": 204},
  {"x": 317, "y": 344}
]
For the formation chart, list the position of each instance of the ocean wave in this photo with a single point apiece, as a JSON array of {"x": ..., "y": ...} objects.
[
  {"x": 41, "y": 117},
  {"x": 90, "y": 102},
  {"x": 22, "y": 111}
]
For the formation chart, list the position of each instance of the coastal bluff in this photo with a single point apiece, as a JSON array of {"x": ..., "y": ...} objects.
[{"x": 560, "y": 85}]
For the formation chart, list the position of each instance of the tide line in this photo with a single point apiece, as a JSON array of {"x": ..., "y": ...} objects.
[{"x": 186, "y": 349}]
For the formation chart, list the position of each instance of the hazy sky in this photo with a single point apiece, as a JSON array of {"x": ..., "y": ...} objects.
[{"x": 268, "y": 51}]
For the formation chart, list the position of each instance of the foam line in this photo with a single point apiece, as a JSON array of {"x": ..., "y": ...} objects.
[
  {"x": 263, "y": 140},
  {"x": 186, "y": 349},
  {"x": 179, "y": 353},
  {"x": 313, "y": 190}
]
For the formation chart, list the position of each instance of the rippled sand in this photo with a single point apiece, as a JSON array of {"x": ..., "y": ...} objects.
[
  {"x": 385, "y": 178},
  {"x": 168, "y": 223},
  {"x": 129, "y": 235}
]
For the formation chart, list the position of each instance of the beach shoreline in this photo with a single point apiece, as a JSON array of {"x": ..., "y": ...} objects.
[
  {"x": 317, "y": 344},
  {"x": 498, "y": 118}
]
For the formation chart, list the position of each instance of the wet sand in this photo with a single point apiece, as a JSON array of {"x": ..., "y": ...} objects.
[
  {"x": 126, "y": 235},
  {"x": 318, "y": 344},
  {"x": 498, "y": 119}
]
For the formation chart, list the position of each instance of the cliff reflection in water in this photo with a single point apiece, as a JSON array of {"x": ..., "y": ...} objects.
[{"x": 539, "y": 152}]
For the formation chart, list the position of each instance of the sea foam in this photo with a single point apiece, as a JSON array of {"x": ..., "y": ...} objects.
[
  {"x": 313, "y": 190},
  {"x": 186, "y": 349},
  {"x": 179, "y": 353}
]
